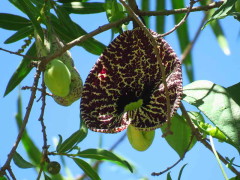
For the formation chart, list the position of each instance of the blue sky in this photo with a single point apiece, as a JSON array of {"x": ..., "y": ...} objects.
[{"x": 210, "y": 63}]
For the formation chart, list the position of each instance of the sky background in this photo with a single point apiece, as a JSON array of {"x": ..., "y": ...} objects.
[{"x": 210, "y": 63}]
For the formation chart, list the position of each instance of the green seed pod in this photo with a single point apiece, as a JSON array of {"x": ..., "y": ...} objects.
[
  {"x": 140, "y": 140},
  {"x": 57, "y": 78},
  {"x": 53, "y": 167},
  {"x": 50, "y": 45},
  {"x": 76, "y": 82}
]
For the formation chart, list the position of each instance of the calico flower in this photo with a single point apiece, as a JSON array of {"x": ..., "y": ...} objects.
[{"x": 128, "y": 72}]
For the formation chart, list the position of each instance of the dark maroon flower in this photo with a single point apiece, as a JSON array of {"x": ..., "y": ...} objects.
[{"x": 127, "y": 71}]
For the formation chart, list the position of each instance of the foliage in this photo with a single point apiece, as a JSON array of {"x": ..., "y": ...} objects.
[{"x": 219, "y": 107}]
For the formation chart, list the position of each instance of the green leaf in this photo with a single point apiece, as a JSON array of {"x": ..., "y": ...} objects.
[
  {"x": 32, "y": 151},
  {"x": 87, "y": 169},
  {"x": 233, "y": 91},
  {"x": 224, "y": 10},
  {"x": 46, "y": 177},
  {"x": 101, "y": 154},
  {"x": 13, "y": 22},
  {"x": 69, "y": 30},
  {"x": 215, "y": 102},
  {"x": 74, "y": 139},
  {"x": 181, "y": 170},
  {"x": 145, "y": 7},
  {"x": 218, "y": 31},
  {"x": 207, "y": 129},
  {"x": 84, "y": 7},
  {"x": 114, "y": 12},
  {"x": 222, "y": 40},
  {"x": 59, "y": 142},
  {"x": 33, "y": 14},
  {"x": 3, "y": 178},
  {"x": 22, "y": 70},
  {"x": 182, "y": 135},
  {"x": 235, "y": 178},
  {"x": 20, "y": 162},
  {"x": 183, "y": 38},
  {"x": 160, "y": 20},
  {"x": 20, "y": 34},
  {"x": 169, "y": 176}
]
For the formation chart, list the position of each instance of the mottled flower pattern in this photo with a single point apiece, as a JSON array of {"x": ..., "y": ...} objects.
[{"x": 127, "y": 71}]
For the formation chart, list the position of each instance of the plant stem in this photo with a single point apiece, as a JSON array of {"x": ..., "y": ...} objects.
[
  {"x": 24, "y": 123},
  {"x": 203, "y": 141},
  {"x": 217, "y": 157},
  {"x": 180, "y": 11}
]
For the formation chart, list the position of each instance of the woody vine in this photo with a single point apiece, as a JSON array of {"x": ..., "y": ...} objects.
[{"x": 139, "y": 108}]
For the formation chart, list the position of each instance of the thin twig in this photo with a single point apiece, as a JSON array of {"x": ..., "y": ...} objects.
[
  {"x": 109, "y": 26},
  {"x": 41, "y": 119},
  {"x": 19, "y": 54},
  {"x": 156, "y": 51},
  {"x": 11, "y": 173},
  {"x": 192, "y": 2},
  {"x": 97, "y": 163},
  {"x": 180, "y": 11},
  {"x": 39, "y": 89},
  {"x": 192, "y": 43},
  {"x": 176, "y": 163},
  {"x": 203, "y": 141},
  {"x": 25, "y": 121}
]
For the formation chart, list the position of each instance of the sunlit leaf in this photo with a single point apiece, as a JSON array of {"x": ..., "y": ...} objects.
[
  {"x": 74, "y": 139},
  {"x": 87, "y": 169},
  {"x": 224, "y": 10},
  {"x": 33, "y": 14},
  {"x": 114, "y": 12},
  {"x": 218, "y": 31},
  {"x": 20, "y": 162},
  {"x": 20, "y": 34},
  {"x": 181, "y": 140},
  {"x": 222, "y": 40},
  {"x": 215, "y": 102},
  {"x": 84, "y": 7},
  {"x": 101, "y": 154},
  {"x": 183, "y": 38},
  {"x": 33, "y": 152},
  {"x": 13, "y": 22},
  {"x": 160, "y": 20}
]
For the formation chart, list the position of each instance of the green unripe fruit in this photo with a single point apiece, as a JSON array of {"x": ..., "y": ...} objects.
[
  {"x": 57, "y": 78},
  {"x": 237, "y": 5},
  {"x": 53, "y": 167},
  {"x": 140, "y": 140}
]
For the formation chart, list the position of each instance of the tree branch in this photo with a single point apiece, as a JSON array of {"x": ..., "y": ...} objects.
[
  {"x": 203, "y": 141},
  {"x": 24, "y": 123},
  {"x": 41, "y": 119},
  {"x": 191, "y": 44},
  {"x": 180, "y": 11},
  {"x": 192, "y": 2},
  {"x": 83, "y": 38}
]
